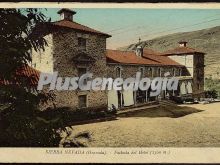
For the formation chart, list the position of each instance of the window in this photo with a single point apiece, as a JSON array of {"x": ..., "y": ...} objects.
[
  {"x": 198, "y": 75},
  {"x": 151, "y": 72},
  {"x": 118, "y": 72},
  {"x": 180, "y": 72},
  {"x": 142, "y": 71},
  {"x": 82, "y": 71},
  {"x": 174, "y": 73},
  {"x": 159, "y": 72},
  {"x": 82, "y": 43},
  {"x": 82, "y": 101}
]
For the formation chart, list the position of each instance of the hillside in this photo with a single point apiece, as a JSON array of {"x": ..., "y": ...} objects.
[{"x": 206, "y": 40}]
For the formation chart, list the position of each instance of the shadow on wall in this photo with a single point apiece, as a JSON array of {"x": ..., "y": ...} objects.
[{"x": 172, "y": 111}]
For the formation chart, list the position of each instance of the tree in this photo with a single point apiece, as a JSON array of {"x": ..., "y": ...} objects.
[
  {"x": 19, "y": 124},
  {"x": 17, "y": 39},
  {"x": 21, "y": 121}
]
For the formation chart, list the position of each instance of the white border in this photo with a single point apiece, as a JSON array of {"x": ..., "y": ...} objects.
[
  {"x": 111, "y": 5},
  {"x": 151, "y": 155},
  {"x": 176, "y": 155}
]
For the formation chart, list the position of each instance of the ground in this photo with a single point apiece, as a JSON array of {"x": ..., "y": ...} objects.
[{"x": 196, "y": 125}]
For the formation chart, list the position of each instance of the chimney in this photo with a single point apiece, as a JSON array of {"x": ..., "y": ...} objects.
[
  {"x": 182, "y": 44},
  {"x": 66, "y": 14}
]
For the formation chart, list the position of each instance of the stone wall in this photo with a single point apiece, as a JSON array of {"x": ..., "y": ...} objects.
[
  {"x": 198, "y": 78},
  {"x": 65, "y": 52},
  {"x": 131, "y": 70}
]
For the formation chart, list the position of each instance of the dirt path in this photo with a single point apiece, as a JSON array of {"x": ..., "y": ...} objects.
[{"x": 181, "y": 126}]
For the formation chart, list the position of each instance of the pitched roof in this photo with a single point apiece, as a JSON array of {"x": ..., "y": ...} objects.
[
  {"x": 182, "y": 50},
  {"x": 32, "y": 74},
  {"x": 163, "y": 60},
  {"x": 129, "y": 57},
  {"x": 151, "y": 52},
  {"x": 77, "y": 26}
]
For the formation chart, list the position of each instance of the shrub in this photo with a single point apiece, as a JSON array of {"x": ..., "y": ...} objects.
[
  {"x": 69, "y": 115},
  {"x": 211, "y": 94}
]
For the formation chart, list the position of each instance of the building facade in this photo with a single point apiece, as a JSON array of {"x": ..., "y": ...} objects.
[
  {"x": 193, "y": 61},
  {"x": 150, "y": 64},
  {"x": 74, "y": 49}
]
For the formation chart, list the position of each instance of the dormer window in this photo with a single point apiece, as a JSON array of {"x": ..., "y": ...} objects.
[
  {"x": 82, "y": 43},
  {"x": 139, "y": 51}
]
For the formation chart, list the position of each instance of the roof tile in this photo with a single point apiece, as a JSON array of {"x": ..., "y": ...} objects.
[
  {"x": 26, "y": 71},
  {"x": 129, "y": 57},
  {"x": 182, "y": 50},
  {"x": 77, "y": 26},
  {"x": 156, "y": 56}
]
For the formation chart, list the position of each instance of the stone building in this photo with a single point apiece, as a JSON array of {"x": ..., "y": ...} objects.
[
  {"x": 183, "y": 62},
  {"x": 193, "y": 60},
  {"x": 74, "y": 49},
  {"x": 151, "y": 64}
]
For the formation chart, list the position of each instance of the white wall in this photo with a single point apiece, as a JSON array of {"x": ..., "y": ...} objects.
[
  {"x": 43, "y": 60},
  {"x": 186, "y": 60}
]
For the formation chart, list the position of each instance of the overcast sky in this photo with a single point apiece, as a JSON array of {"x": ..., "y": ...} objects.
[{"x": 127, "y": 25}]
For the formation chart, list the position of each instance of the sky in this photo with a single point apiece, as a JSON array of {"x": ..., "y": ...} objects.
[{"x": 128, "y": 25}]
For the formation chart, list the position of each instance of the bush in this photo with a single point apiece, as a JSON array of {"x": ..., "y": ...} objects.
[
  {"x": 25, "y": 130},
  {"x": 42, "y": 128},
  {"x": 69, "y": 115},
  {"x": 211, "y": 94}
]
